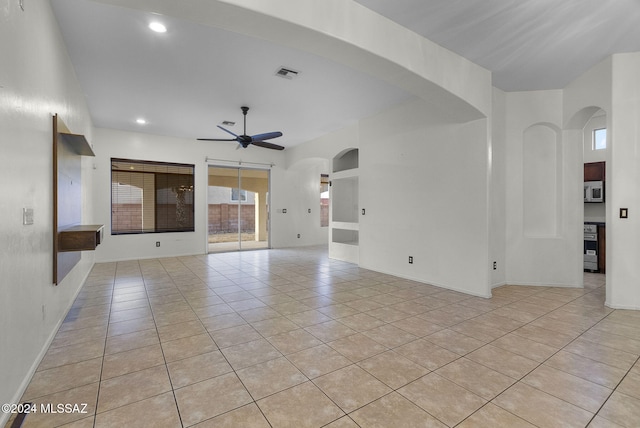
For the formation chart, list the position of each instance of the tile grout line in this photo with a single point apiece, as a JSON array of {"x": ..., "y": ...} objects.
[
  {"x": 106, "y": 337},
  {"x": 166, "y": 367},
  {"x": 559, "y": 350},
  {"x": 312, "y": 288}
]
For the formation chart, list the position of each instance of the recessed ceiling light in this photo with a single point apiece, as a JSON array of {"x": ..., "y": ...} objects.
[
  {"x": 141, "y": 121},
  {"x": 158, "y": 27}
]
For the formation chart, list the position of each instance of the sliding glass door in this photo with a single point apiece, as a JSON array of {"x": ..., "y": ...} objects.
[{"x": 238, "y": 209}]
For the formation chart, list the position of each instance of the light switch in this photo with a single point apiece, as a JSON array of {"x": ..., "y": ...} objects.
[
  {"x": 624, "y": 213},
  {"x": 27, "y": 216}
]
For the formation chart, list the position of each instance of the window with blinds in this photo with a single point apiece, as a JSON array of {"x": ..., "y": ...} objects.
[{"x": 148, "y": 197}]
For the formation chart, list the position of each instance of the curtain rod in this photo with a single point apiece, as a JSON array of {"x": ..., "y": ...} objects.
[{"x": 240, "y": 162}]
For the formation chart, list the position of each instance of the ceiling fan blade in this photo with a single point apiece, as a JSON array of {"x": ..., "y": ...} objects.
[
  {"x": 244, "y": 140},
  {"x": 267, "y": 145},
  {"x": 227, "y": 131},
  {"x": 266, "y": 136}
]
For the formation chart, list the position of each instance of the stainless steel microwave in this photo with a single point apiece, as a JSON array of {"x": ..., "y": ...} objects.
[{"x": 594, "y": 191}]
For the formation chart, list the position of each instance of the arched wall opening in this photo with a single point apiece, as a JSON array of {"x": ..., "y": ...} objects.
[{"x": 578, "y": 132}]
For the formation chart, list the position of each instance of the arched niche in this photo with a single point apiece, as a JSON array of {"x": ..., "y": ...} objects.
[
  {"x": 579, "y": 119},
  {"x": 542, "y": 180},
  {"x": 345, "y": 160}
]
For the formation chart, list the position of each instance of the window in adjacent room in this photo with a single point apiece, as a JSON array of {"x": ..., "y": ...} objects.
[
  {"x": 324, "y": 200},
  {"x": 149, "y": 197},
  {"x": 599, "y": 139},
  {"x": 238, "y": 195}
]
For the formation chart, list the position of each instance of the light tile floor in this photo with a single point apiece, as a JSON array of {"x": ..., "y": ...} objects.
[{"x": 290, "y": 338}]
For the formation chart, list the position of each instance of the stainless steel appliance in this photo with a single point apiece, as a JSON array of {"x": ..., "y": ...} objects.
[
  {"x": 593, "y": 191},
  {"x": 591, "y": 247}
]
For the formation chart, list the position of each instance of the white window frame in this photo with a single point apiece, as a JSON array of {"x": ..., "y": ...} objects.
[{"x": 593, "y": 145}]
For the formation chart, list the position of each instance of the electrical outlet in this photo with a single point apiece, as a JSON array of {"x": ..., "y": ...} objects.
[
  {"x": 298, "y": 235},
  {"x": 157, "y": 243},
  {"x": 495, "y": 265},
  {"x": 410, "y": 260},
  {"x": 363, "y": 211}
]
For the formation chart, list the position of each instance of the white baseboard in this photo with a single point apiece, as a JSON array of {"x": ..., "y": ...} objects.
[
  {"x": 625, "y": 307},
  {"x": 426, "y": 282},
  {"x": 543, "y": 284},
  {"x": 499, "y": 284}
]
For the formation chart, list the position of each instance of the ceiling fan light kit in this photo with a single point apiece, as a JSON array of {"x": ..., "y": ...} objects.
[{"x": 245, "y": 140}]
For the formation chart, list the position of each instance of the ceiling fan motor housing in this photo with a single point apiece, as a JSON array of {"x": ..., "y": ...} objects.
[{"x": 244, "y": 140}]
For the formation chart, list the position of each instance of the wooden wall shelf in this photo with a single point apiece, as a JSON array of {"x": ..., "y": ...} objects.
[
  {"x": 78, "y": 143},
  {"x": 80, "y": 238},
  {"x": 68, "y": 241}
]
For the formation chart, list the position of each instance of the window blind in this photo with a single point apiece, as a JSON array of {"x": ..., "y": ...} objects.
[{"x": 151, "y": 197}]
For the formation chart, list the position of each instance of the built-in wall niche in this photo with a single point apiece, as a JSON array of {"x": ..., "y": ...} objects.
[
  {"x": 345, "y": 236},
  {"x": 344, "y": 199},
  {"x": 345, "y": 214},
  {"x": 346, "y": 160},
  {"x": 70, "y": 236}
]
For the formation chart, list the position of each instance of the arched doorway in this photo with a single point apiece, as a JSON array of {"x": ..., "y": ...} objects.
[{"x": 585, "y": 129}]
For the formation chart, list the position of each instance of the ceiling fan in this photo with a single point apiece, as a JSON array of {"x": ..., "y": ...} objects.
[{"x": 244, "y": 140}]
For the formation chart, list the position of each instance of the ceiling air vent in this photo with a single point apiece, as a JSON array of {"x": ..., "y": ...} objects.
[
  {"x": 228, "y": 123},
  {"x": 287, "y": 73}
]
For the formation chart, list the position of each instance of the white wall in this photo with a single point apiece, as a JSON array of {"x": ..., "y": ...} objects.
[
  {"x": 423, "y": 182},
  {"x": 325, "y": 147},
  {"x": 623, "y": 245},
  {"x": 583, "y": 98},
  {"x": 497, "y": 171},
  {"x": 110, "y": 143},
  {"x": 298, "y": 191},
  {"x": 36, "y": 81},
  {"x": 295, "y": 188},
  {"x": 420, "y": 172},
  {"x": 547, "y": 253}
]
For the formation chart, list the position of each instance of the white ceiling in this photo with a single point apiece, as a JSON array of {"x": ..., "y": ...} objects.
[
  {"x": 526, "y": 44},
  {"x": 191, "y": 78}
]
